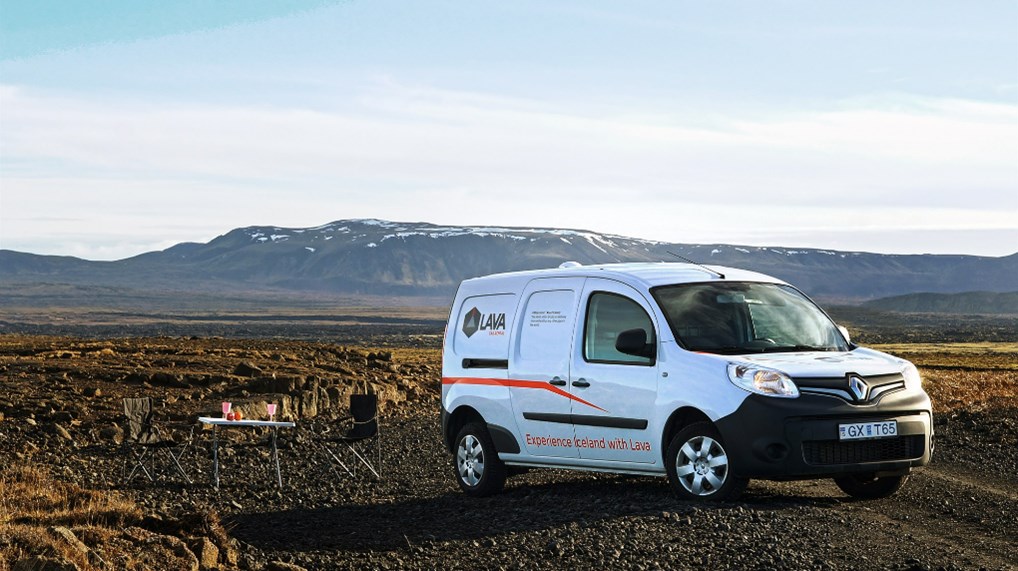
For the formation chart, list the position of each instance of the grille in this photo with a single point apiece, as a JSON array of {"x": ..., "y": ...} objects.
[
  {"x": 879, "y": 385},
  {"x": 825, "y": 452}
]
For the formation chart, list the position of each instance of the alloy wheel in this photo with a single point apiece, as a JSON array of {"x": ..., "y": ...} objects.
[
  {"x": 701, "y": 466},
  {"x": 470, "y": 460}
]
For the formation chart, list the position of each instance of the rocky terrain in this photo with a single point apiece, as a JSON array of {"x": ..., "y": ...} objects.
[{"x": 60, "y": 406}]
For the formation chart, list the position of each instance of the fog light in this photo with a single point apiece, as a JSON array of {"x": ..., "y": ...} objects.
[{"x": 776, "y": 451}]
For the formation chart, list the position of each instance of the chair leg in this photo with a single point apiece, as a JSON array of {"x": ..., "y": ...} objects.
[
  {"x": 176, "y": 463},
  {"x": 139, "y": 462},
  {"x": 325, "y": 447},
  {"x": 363, "y": 461}
]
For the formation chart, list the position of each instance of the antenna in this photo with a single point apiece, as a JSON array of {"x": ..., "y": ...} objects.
[{"x": 685, "y": 259}]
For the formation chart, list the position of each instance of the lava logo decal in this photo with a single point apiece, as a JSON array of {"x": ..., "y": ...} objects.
[
  {"x": 475, "y": 321},
  {"x": 471, "y": 322}
]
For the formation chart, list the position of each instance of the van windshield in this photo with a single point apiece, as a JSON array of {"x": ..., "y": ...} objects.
[{"x": 738, "y": 318}]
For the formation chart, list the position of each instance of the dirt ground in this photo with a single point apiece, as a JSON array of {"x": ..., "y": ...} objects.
[{"x": 61, "y": 398}]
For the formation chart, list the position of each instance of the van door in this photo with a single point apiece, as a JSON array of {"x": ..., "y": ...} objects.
[
  {"x": 539, "y": 365},
  {"x": 624, "y": 384}
]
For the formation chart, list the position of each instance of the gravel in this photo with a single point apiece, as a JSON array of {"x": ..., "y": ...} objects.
[
  {"x": 415, "y": 518},
  {"x": 961, "y": 512}
]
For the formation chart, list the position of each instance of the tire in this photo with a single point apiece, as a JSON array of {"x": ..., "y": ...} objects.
[
  {"x": 869, "y": 487},
  {"x": 699, "y": 468},
  {"x": 475, "y": 462}
]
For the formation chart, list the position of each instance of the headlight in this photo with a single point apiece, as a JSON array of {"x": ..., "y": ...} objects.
[
  {"x": 762, "y": 381},
  {"x": 912, "y": 378}
]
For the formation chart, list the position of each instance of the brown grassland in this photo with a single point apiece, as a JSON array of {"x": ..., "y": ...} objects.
[
  {"x": 45, "y": 523},
  {"x": 34, "y": 506},
  {"x": 964, "y": 376}
]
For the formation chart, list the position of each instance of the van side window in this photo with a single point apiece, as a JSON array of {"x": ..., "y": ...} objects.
[{"x": 609, "y": 314}]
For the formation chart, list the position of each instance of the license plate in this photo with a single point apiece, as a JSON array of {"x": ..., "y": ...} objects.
[{"x": 866, "y": 430}]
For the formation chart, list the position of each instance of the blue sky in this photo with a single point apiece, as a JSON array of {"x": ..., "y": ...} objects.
[{"x": 128, "y": 126}]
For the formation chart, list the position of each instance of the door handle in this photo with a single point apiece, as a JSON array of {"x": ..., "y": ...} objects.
[
  {"x": 581, "y": 382},
  {"x": 557, "y": 382}
]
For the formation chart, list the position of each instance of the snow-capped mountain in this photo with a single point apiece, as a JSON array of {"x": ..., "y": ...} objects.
[{"x": 397, "y": 258}]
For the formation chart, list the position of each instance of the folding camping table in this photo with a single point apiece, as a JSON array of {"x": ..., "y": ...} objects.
[{"x": 217, "y": 422}]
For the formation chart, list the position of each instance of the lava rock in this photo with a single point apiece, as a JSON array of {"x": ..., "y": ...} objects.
[
  {"x": 247, "y": 369},
  {"x": 68, "y": 537},
  {"x": 207, "y": 553}
]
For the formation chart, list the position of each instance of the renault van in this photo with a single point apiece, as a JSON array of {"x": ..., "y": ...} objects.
[{"x": 708, "y": 375}]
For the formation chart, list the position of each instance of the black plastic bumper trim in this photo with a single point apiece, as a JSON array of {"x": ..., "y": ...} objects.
[
  {"x": 798, "y": 438},
  {"x": 504, "y": 441}
]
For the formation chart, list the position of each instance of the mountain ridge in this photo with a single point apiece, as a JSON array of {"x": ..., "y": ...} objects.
[{"x": 423, "y": 259}]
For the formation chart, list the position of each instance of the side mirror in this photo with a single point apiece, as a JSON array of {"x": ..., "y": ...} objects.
[
  {"x": 848, "y": 338},
  {"x": 634, "y": 342}
]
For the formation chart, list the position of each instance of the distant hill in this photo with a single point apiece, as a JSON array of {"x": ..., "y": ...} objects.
[
  {"x": 378, "y": 257},
  {"x": 972, "y": 302}
]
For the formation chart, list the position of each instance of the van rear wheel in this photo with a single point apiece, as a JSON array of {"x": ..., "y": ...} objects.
[
  {"x": 479, "y": 472},
  {"x": 868, "y": 486},
  {"x": 698, "y": 466}
]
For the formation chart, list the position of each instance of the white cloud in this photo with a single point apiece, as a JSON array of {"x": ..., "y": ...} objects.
[{"x": 158, "y": 172}]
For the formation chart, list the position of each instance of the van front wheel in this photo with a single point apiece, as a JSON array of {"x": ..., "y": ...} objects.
[
  {"x": 698, "y": 466},
  {"x": 479, "y": 472}
]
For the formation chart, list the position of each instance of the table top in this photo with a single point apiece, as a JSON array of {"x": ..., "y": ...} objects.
[{"x": 223, "y": 422}]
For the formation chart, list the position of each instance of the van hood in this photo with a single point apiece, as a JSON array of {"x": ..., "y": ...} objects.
[{"x": 865, "y": 362}]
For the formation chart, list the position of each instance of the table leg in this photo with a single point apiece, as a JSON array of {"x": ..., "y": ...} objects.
[
  {"x": 275, "y": 457},
  {"x": 215, "y": 456}
]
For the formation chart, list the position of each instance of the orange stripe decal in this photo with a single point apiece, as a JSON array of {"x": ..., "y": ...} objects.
[{"x": 517, "y": 384}]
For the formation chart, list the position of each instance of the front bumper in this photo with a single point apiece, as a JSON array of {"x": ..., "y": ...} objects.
[{"x": 773, "y": 438}]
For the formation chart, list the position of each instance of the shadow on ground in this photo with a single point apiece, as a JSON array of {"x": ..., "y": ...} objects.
[{"x": 456, "y": 517}]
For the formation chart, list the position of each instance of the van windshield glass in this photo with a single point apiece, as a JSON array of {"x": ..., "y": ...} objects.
[{"x": 738, "y": 318}]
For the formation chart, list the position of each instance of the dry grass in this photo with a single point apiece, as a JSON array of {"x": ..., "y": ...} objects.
[
  {"x": 972, "y": 391},
  {"x": 29, "y": 495},
  {"x": 969, "y": 376},
  {"x": 960, "y": 356},
  {"x": 31, "y": 503}
]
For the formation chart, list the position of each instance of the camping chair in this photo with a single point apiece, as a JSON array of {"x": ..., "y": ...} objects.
[
  {"x": 145, "y": 441},
  {"x": 364, "y": 428}
]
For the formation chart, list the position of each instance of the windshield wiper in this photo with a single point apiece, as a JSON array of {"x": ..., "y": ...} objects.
[{"x": 796, "y": 348}]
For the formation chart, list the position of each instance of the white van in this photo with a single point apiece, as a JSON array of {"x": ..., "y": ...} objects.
[{"x": 709, "y": 375}]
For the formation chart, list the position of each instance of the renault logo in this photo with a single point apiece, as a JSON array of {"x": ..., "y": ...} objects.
[{"x": 858, "y": 387}]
